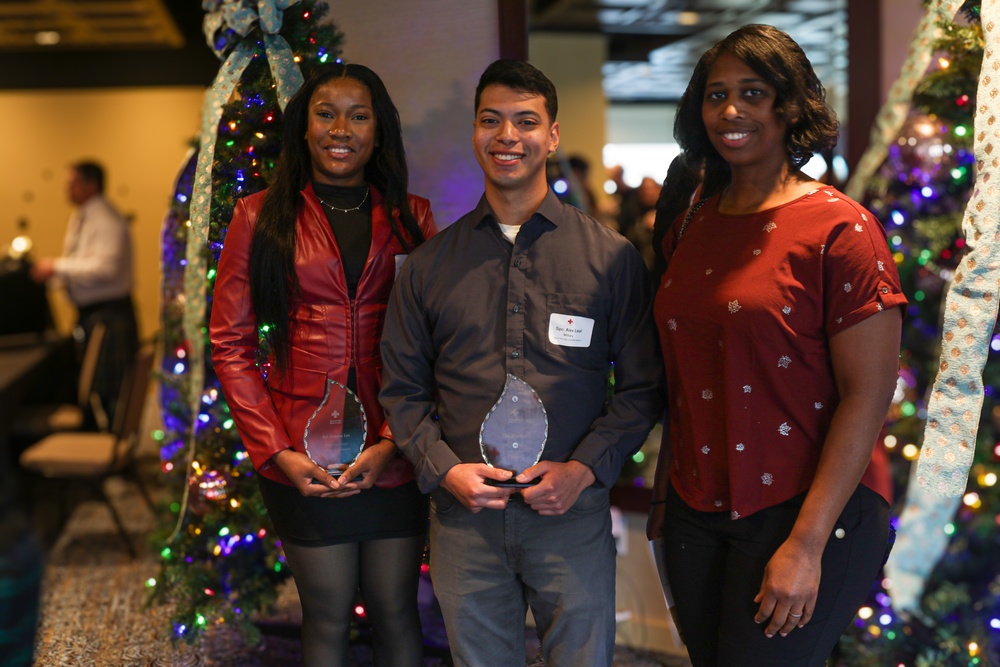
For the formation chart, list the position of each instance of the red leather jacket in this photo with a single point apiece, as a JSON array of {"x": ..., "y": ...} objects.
[{"x": 330, "y": 333}]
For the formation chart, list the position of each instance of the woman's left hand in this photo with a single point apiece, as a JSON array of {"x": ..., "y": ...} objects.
[
  {"x": 788, "y": 593},
  {"x": 370, "y": 464}
]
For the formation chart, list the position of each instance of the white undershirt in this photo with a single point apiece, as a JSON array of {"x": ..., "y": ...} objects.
[{"x": 510, "y": 231}]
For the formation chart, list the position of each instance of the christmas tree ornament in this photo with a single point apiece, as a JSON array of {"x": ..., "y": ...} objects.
[{"x": 893, "y": 113}]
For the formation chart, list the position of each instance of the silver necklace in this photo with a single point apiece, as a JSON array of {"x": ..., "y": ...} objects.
[{"x": 345, "y": 210}]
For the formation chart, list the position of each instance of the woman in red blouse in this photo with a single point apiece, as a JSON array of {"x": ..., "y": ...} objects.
[{"x": 779, "y": 314}]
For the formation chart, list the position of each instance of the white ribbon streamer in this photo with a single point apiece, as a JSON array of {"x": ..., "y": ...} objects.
[{"x": 970, "y": 309}]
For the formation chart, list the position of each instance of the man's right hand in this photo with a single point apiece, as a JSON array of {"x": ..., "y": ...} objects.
[{"x": 467, "y": 482}]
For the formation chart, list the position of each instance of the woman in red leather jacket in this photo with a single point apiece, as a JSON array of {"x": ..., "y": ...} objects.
[{"x": 310, "y": 262}]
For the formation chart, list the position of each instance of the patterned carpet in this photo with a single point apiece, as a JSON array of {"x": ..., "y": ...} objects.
[{"x": 94, "y": 613}]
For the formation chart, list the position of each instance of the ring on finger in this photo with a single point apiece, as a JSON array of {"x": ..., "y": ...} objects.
[{"x": 795, "y": 615}]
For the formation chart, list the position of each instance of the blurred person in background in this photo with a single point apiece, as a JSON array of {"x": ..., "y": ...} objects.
[
  {"x": 96, "y": 270},
  {"x": 637, "y": 220}
]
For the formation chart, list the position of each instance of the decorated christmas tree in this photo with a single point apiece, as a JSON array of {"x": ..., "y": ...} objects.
[
  {"x": 950, "y": 614},
  {"x": 220, "y": 559}
]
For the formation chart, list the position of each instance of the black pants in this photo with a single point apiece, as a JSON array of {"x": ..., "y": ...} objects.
[
  {"x": 121, "y": 343},
  {"x": 716, "y": 565}
]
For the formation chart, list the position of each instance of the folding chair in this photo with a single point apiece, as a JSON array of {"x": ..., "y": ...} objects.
[
  {"x": 94, "y": 457},
  {"x": 36, "y": 421}
]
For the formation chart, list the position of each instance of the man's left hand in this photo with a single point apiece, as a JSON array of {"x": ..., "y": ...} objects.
[{"x": 561, "y": 484}]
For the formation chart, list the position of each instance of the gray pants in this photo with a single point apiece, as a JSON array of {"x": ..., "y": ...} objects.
[{"x": 488, "y": 568}]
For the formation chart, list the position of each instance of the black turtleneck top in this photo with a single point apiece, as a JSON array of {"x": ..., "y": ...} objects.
[{"x": 353, "y": 229}]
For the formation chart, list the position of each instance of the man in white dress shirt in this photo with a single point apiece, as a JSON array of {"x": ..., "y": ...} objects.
[{"x": 96, "y": 270}]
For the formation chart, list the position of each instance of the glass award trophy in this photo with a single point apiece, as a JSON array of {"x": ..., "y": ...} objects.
[
  {"x": 514, "y": 432},
  {"x": 336, "y": 432}
]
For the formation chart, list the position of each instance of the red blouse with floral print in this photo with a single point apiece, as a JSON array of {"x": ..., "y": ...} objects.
[{"x": 745, "y": 312}]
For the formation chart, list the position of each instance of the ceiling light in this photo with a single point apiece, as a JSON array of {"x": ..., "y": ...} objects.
[
  {"x": 688, "y": 18},
  {"x": 47, "y": 37}
]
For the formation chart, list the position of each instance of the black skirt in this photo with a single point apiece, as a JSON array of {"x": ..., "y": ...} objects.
[{"x": 374, "y": 514}]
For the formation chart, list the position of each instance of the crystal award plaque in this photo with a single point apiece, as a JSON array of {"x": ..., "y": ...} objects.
[
  {"x": 514, "y": 432},
  {"x": 336, "y": 432}
]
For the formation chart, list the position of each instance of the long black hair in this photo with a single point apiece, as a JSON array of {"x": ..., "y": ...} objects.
[
  {"x": 800, "y": 100},
  {"x": 682, "y": 180},
  {"x": 273, "y": 282}
]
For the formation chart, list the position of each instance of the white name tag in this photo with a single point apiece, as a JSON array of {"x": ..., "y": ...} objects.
[
  {"x": 570, "y": 330},
  {"x": 399, "y": 263}
]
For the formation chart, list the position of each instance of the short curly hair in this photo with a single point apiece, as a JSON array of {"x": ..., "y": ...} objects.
[{"x": 800, "y": 98}]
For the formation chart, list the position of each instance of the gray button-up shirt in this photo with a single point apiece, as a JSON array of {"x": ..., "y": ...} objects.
[{"x": 469, "y": 307}]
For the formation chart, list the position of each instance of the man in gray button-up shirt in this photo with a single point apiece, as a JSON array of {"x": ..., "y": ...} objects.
[{"x": 526, "y": 286}]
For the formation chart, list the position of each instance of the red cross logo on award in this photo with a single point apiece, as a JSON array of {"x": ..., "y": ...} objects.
[{"x": 336, "y": 431}]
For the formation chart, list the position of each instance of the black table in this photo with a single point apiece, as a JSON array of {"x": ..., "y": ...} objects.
[
  {"x": 23, "y": 302},
  {"x": 26, "y": 360}
]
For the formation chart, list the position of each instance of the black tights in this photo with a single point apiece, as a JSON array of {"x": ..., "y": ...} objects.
[{"x": 387, "y": 573}]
